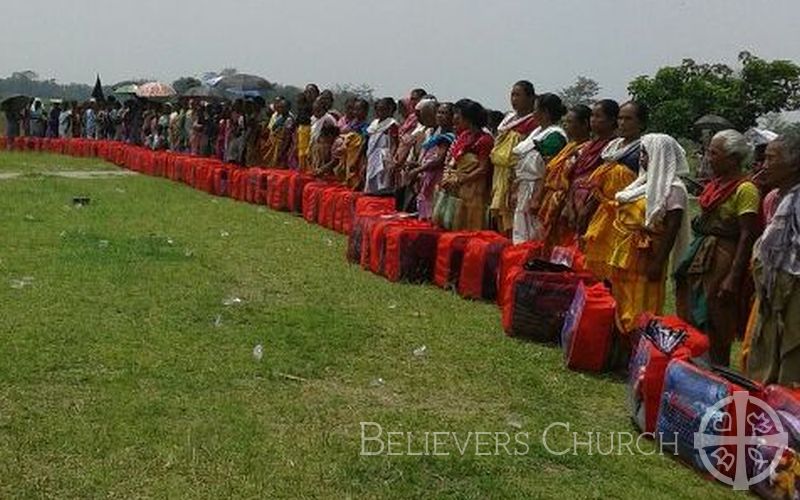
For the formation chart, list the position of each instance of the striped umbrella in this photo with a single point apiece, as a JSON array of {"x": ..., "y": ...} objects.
[{"x": 155, "y": 90}]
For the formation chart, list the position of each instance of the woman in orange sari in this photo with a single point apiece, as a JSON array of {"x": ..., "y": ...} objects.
[
  {"x": 577, "y": 209},
  {"x": 620, "y": 167},
  {"x": 551, "y": 199},
  {"x": 468, "y": 173}
]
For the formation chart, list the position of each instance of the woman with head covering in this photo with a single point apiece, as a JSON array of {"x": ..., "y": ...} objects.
[
  {"x": 550, "y": 201},
  {"x": 320, "y": 148},
  {"x": 38, "y": 119},
  {"x": 468, "y": 171},
  {"x": 775, "y": 348},
  {"x": 533, "y": 153},
  {"x": 349, "y": 146},
  {"x": 620, "y": 167},
  {"x": 410, "y": 133},
  {"x": 578, "y": 209},
  {"x": 651, "y": 225},
  {"x": 275, "y": 145},
  {"x": 433, "y": 155},
  {"x": 516, "y": 126},
  {"x": 713, "y": 286},
  {"x": 381, "y": 147}
]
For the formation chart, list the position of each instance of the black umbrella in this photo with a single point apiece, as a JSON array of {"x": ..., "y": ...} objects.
[
  {"x": 15, "y": 102},
  {"x": 97, "y": 93},
  {"x": 712, "y": 122}
]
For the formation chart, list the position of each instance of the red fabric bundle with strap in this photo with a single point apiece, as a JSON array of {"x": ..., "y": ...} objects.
[
  {"x": 236, "y": 186},
  {"x": 589, "y": 328},
  {"x": 512, "y": 257},
  {"x": 450, "y": 255},
  {"x": 538, "y": 302},
  {"x": 327, "y": 205},
  {"x": 297, "y": 184},
  {"x": 278, "y": 190},
  {"x": 649, "y": 364},
  {"x": 377, "y": 240},
  {"x": 345, "y": 210},
  {"x": 410, "y": 253},
  {"x": 478, "y": 278},
  {"x": 359, "y": 233},
  {"x": 312, "y": 193}
]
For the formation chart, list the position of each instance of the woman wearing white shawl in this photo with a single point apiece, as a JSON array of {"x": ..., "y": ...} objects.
[
  {"x": 532, "y": 155},
  {"x": 651, "y": 224},
  {"x": 381, "y": 147}
]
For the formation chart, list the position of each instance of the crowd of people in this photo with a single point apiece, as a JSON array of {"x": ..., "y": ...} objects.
[{"x": 594, "y": 177}]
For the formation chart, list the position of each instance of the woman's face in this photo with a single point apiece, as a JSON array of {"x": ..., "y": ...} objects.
[
  {"x": 520, "y": 101},
  {"x": 778, "y": 171},
  {"x": 459, "y": 123},
  {"x": 720, "y": 160},
  {"x": 444, "y": 116},
  {"x": 601, "y": 124},
  {"x": 539, "y": 113},
  {"x": 629, "y": 126},
  {"x": 382, "y": 110},
  {"x": 574, "y": 126}
]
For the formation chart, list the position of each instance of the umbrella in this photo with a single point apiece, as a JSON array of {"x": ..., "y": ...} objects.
[
  {"x": 155, "y": 90},
  {"x": 203, "y": 92},
  {"x": 242, "y": 84},
  {"x": 129, "y": 89},
  {"x": 712, "y": 122},
  {"x": 15, "y": 102},
  {"x": 760, "y": 136}
]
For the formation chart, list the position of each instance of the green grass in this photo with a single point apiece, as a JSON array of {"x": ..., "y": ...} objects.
[
  {"x": 27, "y": 163},
  {"x": 116, "y": 381}
]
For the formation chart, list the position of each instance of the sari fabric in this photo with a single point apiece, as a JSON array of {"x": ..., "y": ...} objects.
[
  {"x": 511, "y": 131},
  {"x": 434, "y": 153},
  {"x": 580, "y": 190},
  {"x": 554, "y": 190},
  {"x": 382, "y": 136},
  {"x": 467, "y": 153}
]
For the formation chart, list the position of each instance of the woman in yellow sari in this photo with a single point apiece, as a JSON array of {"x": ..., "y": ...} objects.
[
  {"x": 516, "y": 126},
  {"x": 468, "y": 171},
  {"x": 551, "y": 198},
  {"x": 303, "y": 132},
  {"x": 651, "y": 224},
  {"x": 276, "y": 143},
  {"x": 620, "y": 167}
]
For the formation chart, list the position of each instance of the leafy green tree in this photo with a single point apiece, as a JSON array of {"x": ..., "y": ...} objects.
[
  {"x": 679, "y": 95},
  {"x": 583, "y": 91}
]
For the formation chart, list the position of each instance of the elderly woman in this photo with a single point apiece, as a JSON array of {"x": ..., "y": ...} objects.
[
  {"x": 650, "y": 225},
  {"x": 468, "y": 170},
  {"x": 712, "y": 282},
  {"x": 516, "y": 126},
  {"x": 533, "y": 153},
  {"x": 620, "y": 167},
  {"x": 775, "y": 349}
]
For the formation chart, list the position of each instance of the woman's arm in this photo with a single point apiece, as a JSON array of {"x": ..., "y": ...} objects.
[
  {"x": 672, "y": 224},
  {"x": 748, "y": 230}
]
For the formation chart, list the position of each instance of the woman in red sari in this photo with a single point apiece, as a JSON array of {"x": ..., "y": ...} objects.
[{"x": 577, "y": 210}]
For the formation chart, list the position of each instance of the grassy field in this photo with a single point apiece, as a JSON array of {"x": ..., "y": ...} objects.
[{"x": 124, "y": 374}]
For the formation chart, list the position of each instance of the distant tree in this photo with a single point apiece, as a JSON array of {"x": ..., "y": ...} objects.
[
  {"x": 185, "y": 83},
  {"x": 678, "y": 95},
  {"x": 25, "y": 75},
  {"x": 583, "y": 91},
  {"x": 228, "y": 72}
]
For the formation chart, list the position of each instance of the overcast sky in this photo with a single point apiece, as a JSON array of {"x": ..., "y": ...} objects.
[{"x": 453, "y": 48}]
